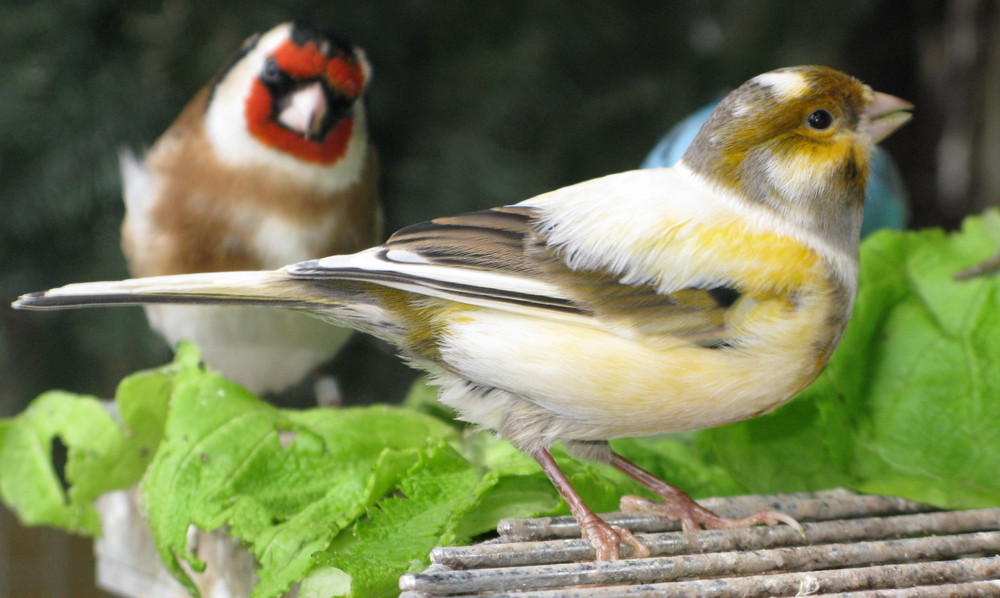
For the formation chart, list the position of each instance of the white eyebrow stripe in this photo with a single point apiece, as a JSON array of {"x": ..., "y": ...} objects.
[{"x": 788, "y": 84}]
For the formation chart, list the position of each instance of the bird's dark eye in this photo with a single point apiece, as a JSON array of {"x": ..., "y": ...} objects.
[
  {"x": 272, "y": 72},
  {"x": 819, "y": 119}
]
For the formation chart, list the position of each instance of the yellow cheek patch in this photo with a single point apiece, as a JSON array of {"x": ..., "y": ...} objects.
[
  {"x": 801, "y": 169},
  {"x": 812, "y": 157}
]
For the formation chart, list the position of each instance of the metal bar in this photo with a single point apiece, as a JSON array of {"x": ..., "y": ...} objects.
[
  {"x": 912, "y": 579},
  {"x": 653, "y": 570},
  {"x": 817, "y": 507},
  {"x": 498, "y": 554}
]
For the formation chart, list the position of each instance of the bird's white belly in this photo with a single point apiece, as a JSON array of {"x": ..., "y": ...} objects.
[
  {"x": 600, "y": 385},
  {"x": 263, "y": 349},
  {"x": 279, "y": 241}
]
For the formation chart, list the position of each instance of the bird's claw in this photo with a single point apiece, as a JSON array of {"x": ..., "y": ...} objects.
[
  {"x": 607, "y": 539},
  {"x": 694, "y": 516},
  {"x": 768, "y": 517}
]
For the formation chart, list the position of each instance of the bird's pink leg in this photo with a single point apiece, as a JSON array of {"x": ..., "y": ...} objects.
[
  {"x": 605, "y": 538},
  {"x": 679, "y": 506}
]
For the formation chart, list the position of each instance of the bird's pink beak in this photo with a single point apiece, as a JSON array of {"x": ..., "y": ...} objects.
[
  {"x": 887, "y": 113},
  {"x": 306, "y": 111}
]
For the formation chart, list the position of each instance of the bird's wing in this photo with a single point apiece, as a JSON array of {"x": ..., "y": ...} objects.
[
  {"x": 499, "y": 258},
  {"x": 484, "y": 258}
]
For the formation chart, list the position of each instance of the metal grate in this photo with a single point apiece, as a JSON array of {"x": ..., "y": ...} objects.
[{"x": 854, "y": 546}]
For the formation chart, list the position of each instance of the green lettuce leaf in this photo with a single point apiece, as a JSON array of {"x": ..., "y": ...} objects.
[
  {"x": 284, "y": 482},
  {"x": 108, "y": 447}
]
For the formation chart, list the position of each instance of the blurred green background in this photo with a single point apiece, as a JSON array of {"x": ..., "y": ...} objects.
[{"x": 473, "y": 104}]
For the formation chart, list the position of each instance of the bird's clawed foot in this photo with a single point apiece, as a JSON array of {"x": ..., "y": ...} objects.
[
  {"x": 607, "y": 539},
  {"x": 692, "y": 516}
]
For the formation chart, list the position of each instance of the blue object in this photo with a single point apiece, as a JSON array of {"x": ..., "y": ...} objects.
[{"x": 886, "y": 199}]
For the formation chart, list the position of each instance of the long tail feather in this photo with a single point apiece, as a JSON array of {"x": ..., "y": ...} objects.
[{"x": 245, "y": 288}]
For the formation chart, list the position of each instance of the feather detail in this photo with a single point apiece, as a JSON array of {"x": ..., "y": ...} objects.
[
  {"x": 211, "y": 287},
  {"x": 491, "y": 240},
  {"x": 514, "y": 259}
]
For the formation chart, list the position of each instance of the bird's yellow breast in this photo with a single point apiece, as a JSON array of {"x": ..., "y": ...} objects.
[
  {"x": 607, "y": 383},
  {"x": 612, "y": 386}
]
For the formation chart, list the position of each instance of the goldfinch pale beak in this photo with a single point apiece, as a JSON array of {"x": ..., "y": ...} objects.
[
  {"x": 306, "y": 111},
  {"x": 886, "y": 114}
]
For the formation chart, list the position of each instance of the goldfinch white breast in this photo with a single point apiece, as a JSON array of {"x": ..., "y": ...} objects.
[
  {"x": 642, "y": 302},
  {"x": 269, "y": 164}
]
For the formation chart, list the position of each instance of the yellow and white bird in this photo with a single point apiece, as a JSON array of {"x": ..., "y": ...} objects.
[
  {"x": 268, "y": 165},
  {"x": 638, "y": 303}
]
